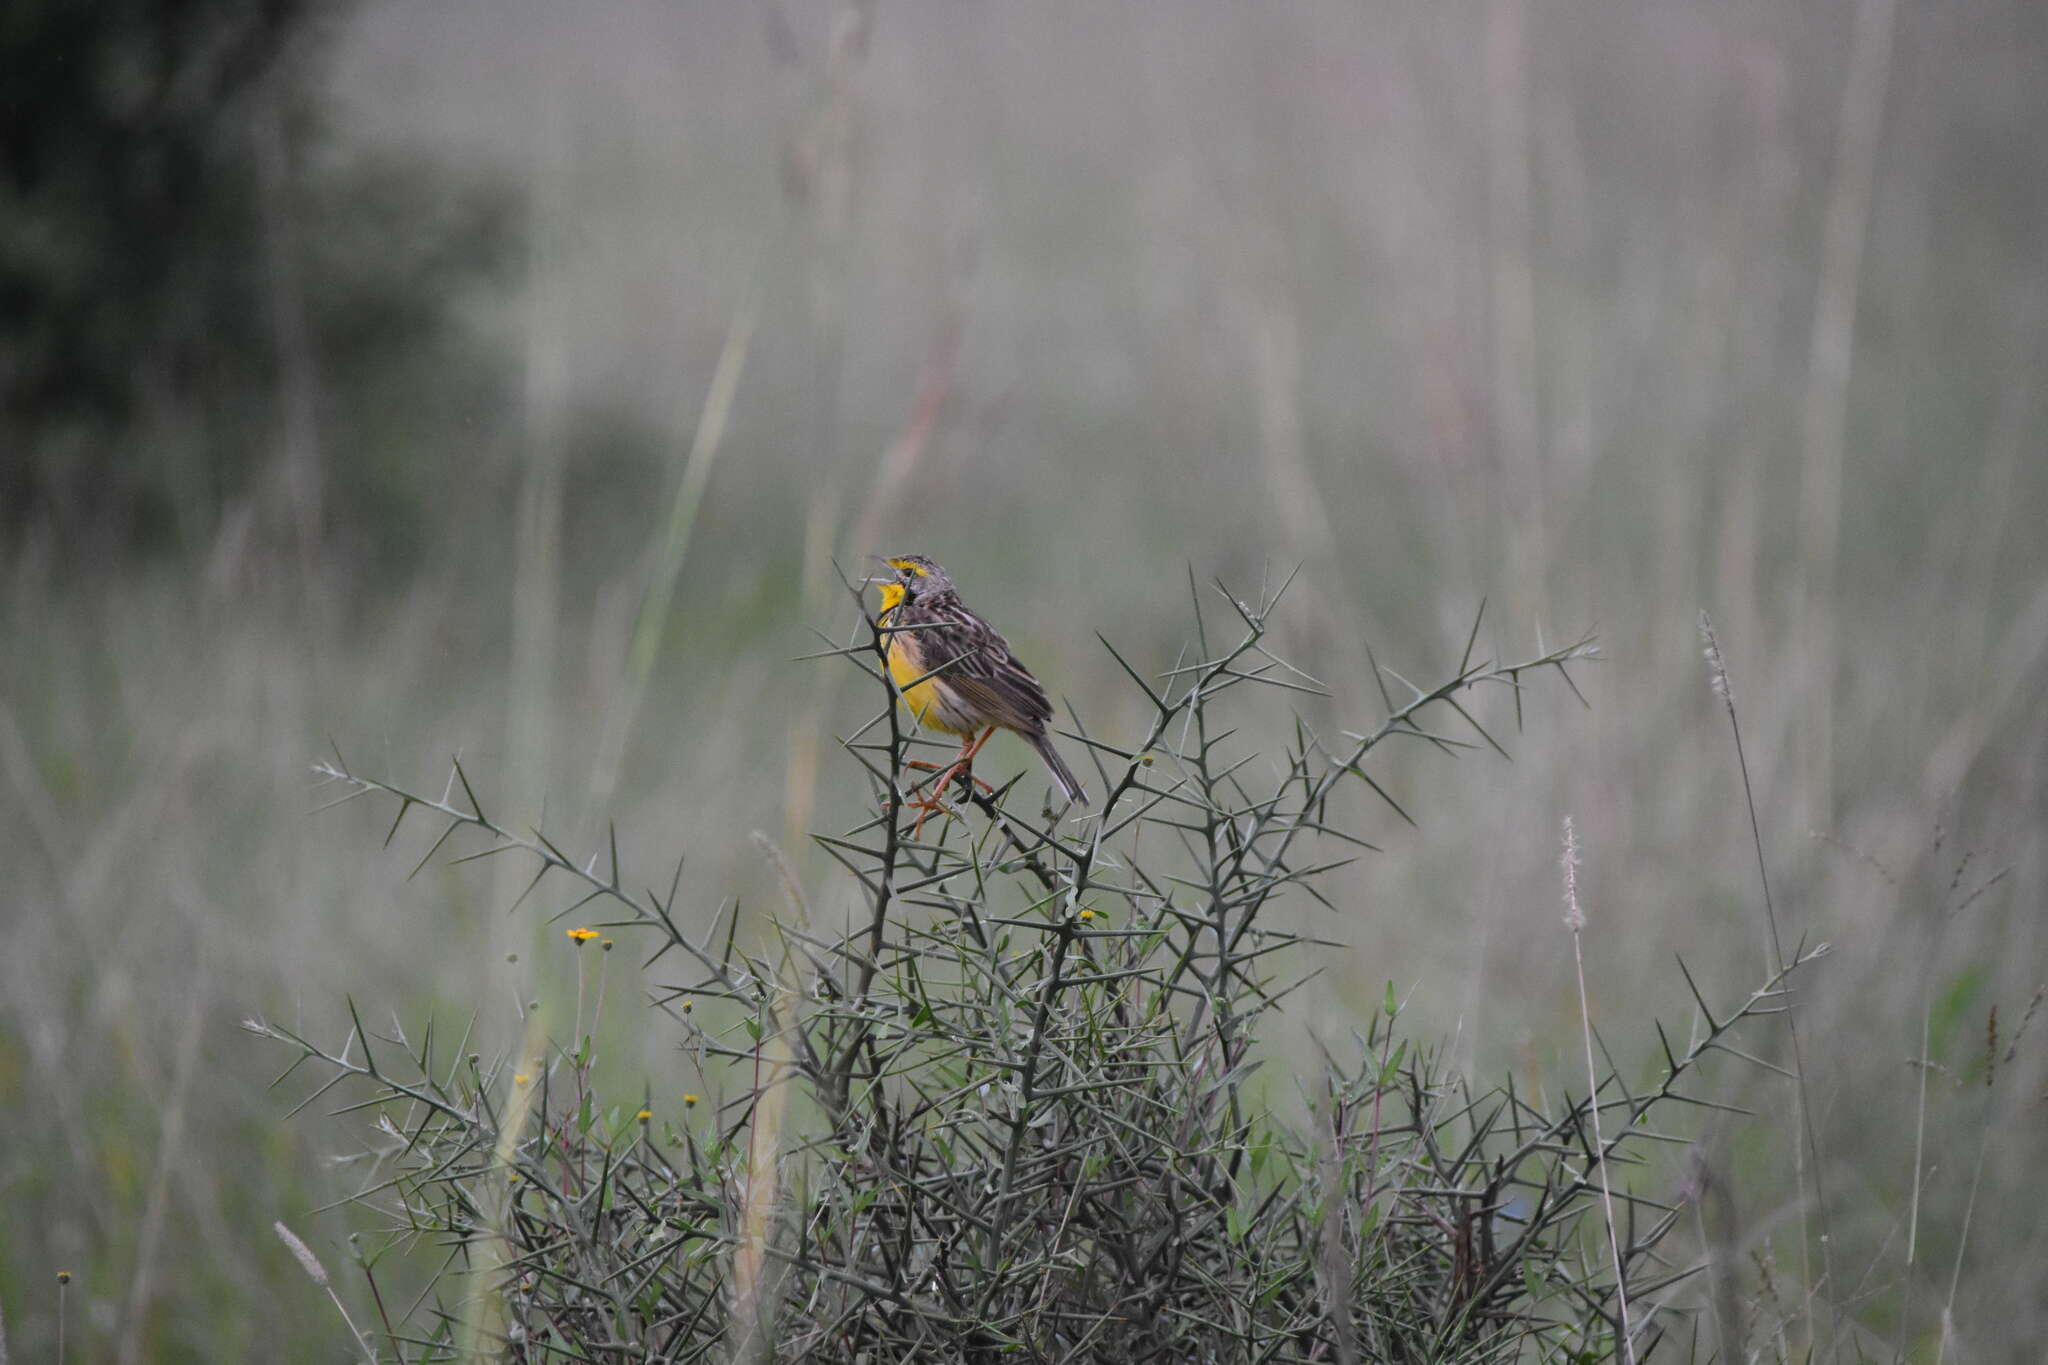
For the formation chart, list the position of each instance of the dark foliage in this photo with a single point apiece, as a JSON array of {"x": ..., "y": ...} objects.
[{"x": 161, "y": 304}]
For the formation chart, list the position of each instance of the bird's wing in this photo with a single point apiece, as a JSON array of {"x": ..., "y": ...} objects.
[{"x": 990, "y": 678}]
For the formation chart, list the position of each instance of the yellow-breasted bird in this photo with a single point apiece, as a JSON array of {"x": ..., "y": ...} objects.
[{"x": 978, "y": 687}]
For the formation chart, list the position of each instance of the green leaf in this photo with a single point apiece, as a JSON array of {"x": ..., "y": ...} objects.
[{"x": 1954, "y": 1011}]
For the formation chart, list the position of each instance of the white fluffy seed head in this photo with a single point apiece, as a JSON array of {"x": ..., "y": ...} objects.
[
  {"x": 304, "y": 1254},
  {"x": 1574, "y": 917},
  {"x": 1717, "y": 667}
]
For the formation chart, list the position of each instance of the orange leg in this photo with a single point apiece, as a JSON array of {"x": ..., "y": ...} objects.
[
  {"x": 940, "y": 767},
  {"x": 963, "y": 765}
]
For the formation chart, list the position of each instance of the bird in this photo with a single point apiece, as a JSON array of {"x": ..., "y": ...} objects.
[{"x": 958, "y": 675}]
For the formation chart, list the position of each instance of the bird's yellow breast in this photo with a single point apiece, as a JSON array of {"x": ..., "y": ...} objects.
[{"x": 926, "y": 703}]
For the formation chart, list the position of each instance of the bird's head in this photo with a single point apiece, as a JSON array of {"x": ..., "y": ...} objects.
[{"x": 916, "y": 577}]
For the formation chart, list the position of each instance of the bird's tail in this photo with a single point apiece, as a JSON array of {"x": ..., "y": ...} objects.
[{"x": 1069, "y": 784}]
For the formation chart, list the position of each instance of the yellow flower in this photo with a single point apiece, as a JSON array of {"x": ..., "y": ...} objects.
[
  {"x": 686, "y": 1005},
  {"x": 582, "y": 936},
  {"x": 521, "y": 1078},
  {"x": 689, "y": 1101},
  {"x": 1087, "y": 914},
  {"x": 645, "y": 1115},
  {"x": 606, "y": 945},
  {"x": 63, "y": 1277}
]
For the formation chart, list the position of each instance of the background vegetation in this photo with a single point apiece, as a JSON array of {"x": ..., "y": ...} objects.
[{"x": 503, "y": 379}]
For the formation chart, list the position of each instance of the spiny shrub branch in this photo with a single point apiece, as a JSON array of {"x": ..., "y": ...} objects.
[{"x": 1009, "y": 1109}]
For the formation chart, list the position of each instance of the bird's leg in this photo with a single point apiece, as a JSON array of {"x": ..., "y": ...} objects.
[
  {"x": 927, "y": 802},
  {"x": 963, "y": 763},
  {"x": 961, "y": 766},
  {"x": 940, "y": 767}
]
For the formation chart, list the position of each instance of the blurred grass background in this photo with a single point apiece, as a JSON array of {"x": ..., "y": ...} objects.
[{"x": 363, "y": 387}]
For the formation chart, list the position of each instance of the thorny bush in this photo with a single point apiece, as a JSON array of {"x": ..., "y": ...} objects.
[{"x": 1008, "y": 1111}]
